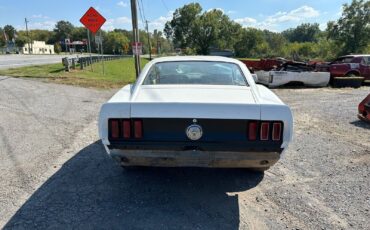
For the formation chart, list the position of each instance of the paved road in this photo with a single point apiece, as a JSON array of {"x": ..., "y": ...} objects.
[
  {"x": 55, "y": 173},
  {"x": 18, "y": 60}
]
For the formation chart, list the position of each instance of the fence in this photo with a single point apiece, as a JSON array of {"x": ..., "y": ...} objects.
[{"x": 71, "y": 63}]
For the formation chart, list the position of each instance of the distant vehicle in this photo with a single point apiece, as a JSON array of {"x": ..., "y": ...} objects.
[
  {"x": 263, "y": 64},
  {"x": 294, "y": 73},
  {"x": 351, "y": 65},
  {"x": 199, "y": 111},
  {"x": 364, "y": 109}
]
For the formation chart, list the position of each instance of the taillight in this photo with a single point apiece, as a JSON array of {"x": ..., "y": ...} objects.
[
  {"x": 126, "y": 129},
  {"x": 252, "y": 131},
  {"x": 276, "y": 131},
  {"x": 114, "y": 129},
  {"x": 138, "y": 127},
  {"x": 264, "y": 131}
]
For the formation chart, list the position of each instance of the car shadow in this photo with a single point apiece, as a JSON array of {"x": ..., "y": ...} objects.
[
  {"x": 91, "y": 191},
  {"x": 361, "y": 124}
]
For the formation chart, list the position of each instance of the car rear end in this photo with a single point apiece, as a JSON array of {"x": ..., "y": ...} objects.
[
  {"x": 235, "y": 133},
  {"x": 195, "y": 125},
  {"x": 223, "y": 143}
]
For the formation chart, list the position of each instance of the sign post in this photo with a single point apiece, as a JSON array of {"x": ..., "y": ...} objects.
[
  {"x": 89, "y": 46},
  {"x": 137, "y": 48},
  {"x": 101, "y": 50},
  {"x": 93, "y": 21}
]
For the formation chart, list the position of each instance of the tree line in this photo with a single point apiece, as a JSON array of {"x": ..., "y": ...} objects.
[
  {"x": 196, "y": 31},
  {"x": 117, "y": 41}
]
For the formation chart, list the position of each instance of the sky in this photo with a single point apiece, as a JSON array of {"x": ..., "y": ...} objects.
[{"x": 274, "y": 15}]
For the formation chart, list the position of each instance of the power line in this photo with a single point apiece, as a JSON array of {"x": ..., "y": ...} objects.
[
  {"x": 165, "y": 5},
  {"x": 141, "y": 13},
  {"x": 142, "y": 6}
]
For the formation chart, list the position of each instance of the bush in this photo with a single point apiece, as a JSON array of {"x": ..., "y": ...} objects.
[
  {"x": 57, "y": 48},
  {"x": 189, "y": 51}
]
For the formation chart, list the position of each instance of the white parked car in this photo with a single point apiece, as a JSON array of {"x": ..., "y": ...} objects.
[
  {"x": 197, "y": 111},
  {"x": 279, "y": 78}
]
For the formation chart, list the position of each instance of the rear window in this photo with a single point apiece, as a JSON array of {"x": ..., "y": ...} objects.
[
  {"x": 195, "y": 73},
  {"x": 344, "y": 60},
  {"x": 366, "y": 61}
]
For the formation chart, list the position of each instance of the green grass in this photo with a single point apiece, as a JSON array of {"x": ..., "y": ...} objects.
[{"x": 117, "y": 73}]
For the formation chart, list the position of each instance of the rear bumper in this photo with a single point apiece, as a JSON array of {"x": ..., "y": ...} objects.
[{"x": 195, "y": 158}]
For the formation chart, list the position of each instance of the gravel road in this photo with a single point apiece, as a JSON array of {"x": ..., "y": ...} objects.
[{"x": 55, "y": 173}]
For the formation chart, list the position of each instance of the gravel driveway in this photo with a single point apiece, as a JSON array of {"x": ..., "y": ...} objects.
[{"x": 55, "y": 173}]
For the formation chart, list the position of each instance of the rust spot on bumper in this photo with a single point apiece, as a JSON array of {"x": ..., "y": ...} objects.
[{"x": 195, "y": 158}]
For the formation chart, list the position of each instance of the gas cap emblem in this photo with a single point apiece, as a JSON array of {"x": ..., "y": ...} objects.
[{"x": 194, "y": 132}]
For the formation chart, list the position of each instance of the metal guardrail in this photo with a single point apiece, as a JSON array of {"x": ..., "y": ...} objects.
[{"x": 71, "y": 63}]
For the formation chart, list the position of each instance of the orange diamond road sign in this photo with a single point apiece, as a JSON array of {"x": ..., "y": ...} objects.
[{"x": 92, "y": 20}]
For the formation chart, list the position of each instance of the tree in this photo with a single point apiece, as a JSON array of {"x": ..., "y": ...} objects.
[
  {"x": 57, "y": 48},
  {"x": 9, "y": 31},
  {"x": 206, "y": 29},
  {"x": 127, "y": 33},
  {"x": 352, "y": 30},
  {"x": 180, "y": 28},
  {"x": 190, "y": 28},
  {"x": 2, "y": 39},
  {"x": 326, "y": 49},
  {"x": 276, "y": 43},
  {"x": 247, "y": 46},
  {"x": 78, "y": 33},
  {"x": 63, "y": 30},
  {"x": 305, "y": 32},
  {"x": 114, "y": 42},
  {"x": 41, "y": 35},
  {"x": 21, "y": 39},
  {"x": 230, "y": 33}
]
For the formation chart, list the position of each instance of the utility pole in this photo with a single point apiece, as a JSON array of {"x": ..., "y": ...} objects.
[
  {"x": 88, "y": 40},
  {"x": 28, "y": 36},
  {"x": 135, "y": 31},
  {"x": 158, "y": 46},
  {"x": 101, "y": 51},
  {"x": 150, "y": 47}
]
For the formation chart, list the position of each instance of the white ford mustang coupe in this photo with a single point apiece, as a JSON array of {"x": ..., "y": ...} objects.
[{"x": 199, "y": 111}]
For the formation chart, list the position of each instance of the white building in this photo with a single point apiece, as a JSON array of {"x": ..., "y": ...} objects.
[{"x": 37, "y": 47}]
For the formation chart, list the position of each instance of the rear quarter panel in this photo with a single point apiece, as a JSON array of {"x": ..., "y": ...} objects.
[
  {"x": 272, "y": 108},
  {"x": 117, "y": 107}
]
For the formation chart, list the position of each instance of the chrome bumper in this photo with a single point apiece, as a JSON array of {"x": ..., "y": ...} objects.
[{"x": 162, "y": 158}]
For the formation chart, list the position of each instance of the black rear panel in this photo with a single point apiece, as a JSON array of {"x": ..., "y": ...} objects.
[
  {"x": 218, "y": 135},
  {"x": 213, "y": 130}
]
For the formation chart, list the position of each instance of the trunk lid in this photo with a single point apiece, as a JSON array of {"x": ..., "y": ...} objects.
[{"x": 194, "y": 101}]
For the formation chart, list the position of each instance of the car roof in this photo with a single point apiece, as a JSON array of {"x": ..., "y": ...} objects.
[{"x": 196, "y": 58}]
